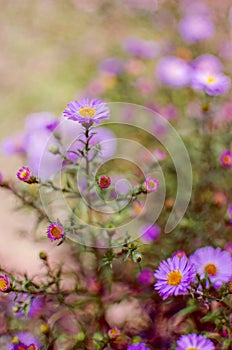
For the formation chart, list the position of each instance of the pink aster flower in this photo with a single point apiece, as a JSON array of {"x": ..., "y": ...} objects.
[
  {"x": 216, "y": 263},
  {"x": 4, "y": 283},
  {"x": 114, "y": 333},
  {"x": 151, "y": 185},
  {"x": 24, "y": 174},
  {"x": 104, "y": 181},
  {"x": 194, "y": 342},
  {"x": 55, "y": 231},
  {"x": 174, "y": 277},
  {"x": 226, "y": 159},
  {"x": 213, "y": 83},
  {"x": 87, "y": 111}
]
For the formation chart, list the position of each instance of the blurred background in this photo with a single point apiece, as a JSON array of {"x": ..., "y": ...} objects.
[{"x": 53, "y": 51}]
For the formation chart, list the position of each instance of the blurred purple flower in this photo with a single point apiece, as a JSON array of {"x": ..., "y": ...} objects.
[
  {"x": 15, "y": 144},
  {"x": 87, "y": 111},
  {"x": 149, "y": 233},
  {"x": 145, "y": 276},
  {"x": 142, "y": 48},
  {"x": 216, "y": 263},
  {"x": 174, "y": 277},
  {"x": 43, "y": 121},
  {"x": 196, "y": 27},
  {"x": 207, "y": 63},
  {"x": 25, "y": 338},
  {"x": 138, "y": 346},
  {"x": 210, "y": 82},
  {"x": 173, "y": 71},
  {"x": 194, "y": 341},
  {"x": 114, "y": 65}
]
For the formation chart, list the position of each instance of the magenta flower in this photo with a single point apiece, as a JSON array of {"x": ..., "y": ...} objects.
[
  {"x": 24, "y": 174},
  {"x": 226, "y": 159},
  {"x": 149, "y": 233},
  {"x": 87, "y": 111},
  {"x": 55, "y": 231},
  {"x": 151, "y": 185},
  {"x": 174, "y": 71},
  {"x": 145, "y": 276},
  {"x": 4, "y": 283},
  {"x": 196, "y": 27},
  {"x": 138, "y": 346},
  {"x": 104, "y": 181},
  {"x": 212, "y": 83},
  {"x": 22, "y": 346},
  {"x": 174, "y": 277},
  {"x": 216, "y": 263},
  {"x": 194, "y": 342},
  {"x": 179, "y": 254},
  {"x": 24, "y": 341}
]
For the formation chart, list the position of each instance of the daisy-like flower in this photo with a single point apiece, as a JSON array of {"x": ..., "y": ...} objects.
[
  {"x": 194, "y": 342},
  {"x": 226, "y": 159},
  {"x": 138, "y": 346},
  {"x": 104, "y": 181},
  {"x": 4, "y": 283},
  {"x": 213, "y": 83},
  {"x": 216, "y": 263},
  {"x": 151, "y": 185},
  {"x": 87, "y": 111},
  {"x": 24, "y": 174},
  {"x": 174, "y": 277},
  {"x": 55, "y": 231}
]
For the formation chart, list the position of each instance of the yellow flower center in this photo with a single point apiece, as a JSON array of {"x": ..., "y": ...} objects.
[
  {"x": 211, "y": 269},
  {"x": 174, "y": 278},
  {"x": 3, "y": 284},
  {"x": 152, "y": 184},
  {"x": 87, "y": 112},
  {"x": 192, "y": 349},
  {"x": 24, "y": 174},
  {"x": 55, "y": 232},
  {"x": 210, "y": 79},
  {"x": 227, "y": 159}
]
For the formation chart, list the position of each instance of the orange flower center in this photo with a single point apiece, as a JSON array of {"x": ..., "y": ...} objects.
[
  {"x": 211, "y": 269},
  {"x": 3, "y": 284},
  {"x": 192, "y": 349},
  {"x": 24, "y": 174},
  {"x": 174, "y": 278},
  {"x": 227, "y": 159},
  {"x": 87, "y": 112},
  {"x": 55, "y": 232}
]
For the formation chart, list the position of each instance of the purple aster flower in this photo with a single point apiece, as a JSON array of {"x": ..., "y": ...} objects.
[
  {"x": 113, "y": 65},
  {"x": 173, "y": 71},
  {"x": 174, "y": 277},
  {"x": 149, "y": 233},
  {"x": 4, "y": 283},
  {"x": 212, "y": 83},
  {"x": 87, "y": 111},
  {"x": 145, "y": 276},
  {"x": 196, "y": 27},
  {"x": 138, "y": 346},
  {"x": 216, "y": 263},
  {"x": 207, "y": 63},
  {"x": 27, "y": 341},
  {"x": 142, "y": 48},
  {"x": 226, "y": 159},
  {"x": 55, "y": 231},
  {"x": 194, "y": 342}
]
